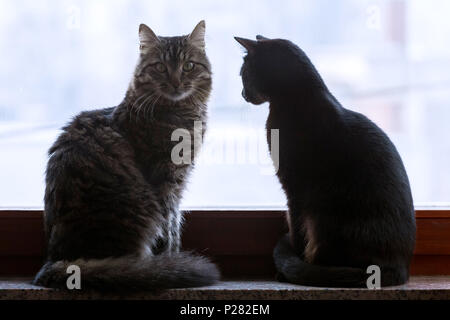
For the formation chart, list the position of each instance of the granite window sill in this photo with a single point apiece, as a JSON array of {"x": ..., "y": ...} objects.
[{"x": 418, "y": 288}]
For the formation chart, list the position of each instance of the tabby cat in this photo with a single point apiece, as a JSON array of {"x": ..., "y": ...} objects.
[
  {"x": 112, "y": 190},
  {"x": 349, "y": 198}
]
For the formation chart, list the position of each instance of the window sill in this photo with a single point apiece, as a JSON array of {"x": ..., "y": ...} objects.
[
  {"x": 418, "y": 288},
  {"x": 240, "y": 242}
]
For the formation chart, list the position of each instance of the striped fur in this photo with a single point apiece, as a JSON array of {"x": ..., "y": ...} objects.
[{"x": 112, "y": 191}]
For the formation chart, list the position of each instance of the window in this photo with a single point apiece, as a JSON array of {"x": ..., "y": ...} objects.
[{"x": 388, "y": 59}]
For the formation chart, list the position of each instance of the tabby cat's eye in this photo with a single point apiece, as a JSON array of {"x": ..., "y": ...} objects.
[
  {"x": 160, "y": 67},
  {"x": 188, "y": 66}
]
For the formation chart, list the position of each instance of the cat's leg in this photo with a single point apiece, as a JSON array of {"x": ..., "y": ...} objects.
[
  {"x": 175, "y": 230},
  {"x": 160, "y": 245},
  {"x": 297, "y": 234},
  {"x": 162, "y": 241},
  {"x": 295, "y": 238},
  {"x": 170, "y": 239}
]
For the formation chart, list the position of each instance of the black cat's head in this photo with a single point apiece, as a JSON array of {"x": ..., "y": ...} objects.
[
  {"x": 175, "y": 68},
  {"x": 273, "y": 68}
]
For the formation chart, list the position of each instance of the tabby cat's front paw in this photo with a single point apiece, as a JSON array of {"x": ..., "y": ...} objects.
[{"x": 280, "y": 277}]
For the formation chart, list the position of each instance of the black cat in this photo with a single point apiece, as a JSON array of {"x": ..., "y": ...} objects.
[{"x": 349, "y": 199}]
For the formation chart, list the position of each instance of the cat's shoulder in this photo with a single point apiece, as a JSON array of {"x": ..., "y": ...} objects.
[
  {"x": 88, "y": 128},
  {"x": 90, "y": 119},
  {"x": 364, "y": 134},
  {"x": 356, "y": 121}
]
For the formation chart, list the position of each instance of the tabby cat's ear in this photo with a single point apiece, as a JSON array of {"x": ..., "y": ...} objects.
[
  {"x": 197, "y": 36},
  {"x": 147, "y": 37},
  {"x": 248, "y": 44}
]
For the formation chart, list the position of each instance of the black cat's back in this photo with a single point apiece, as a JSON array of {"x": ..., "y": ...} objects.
[
  {"x": 348, "y": 194},
  {"x": 346, "y": 167},
  {"x": 346, "y": 181}
]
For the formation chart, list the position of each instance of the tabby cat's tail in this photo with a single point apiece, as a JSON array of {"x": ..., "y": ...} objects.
[
  {"x": 179, "y": 270},
  {"x": 294, "y": 270}
]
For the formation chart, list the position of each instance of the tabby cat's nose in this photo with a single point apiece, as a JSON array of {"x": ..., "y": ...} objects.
[{"x": 175, "y": 83}]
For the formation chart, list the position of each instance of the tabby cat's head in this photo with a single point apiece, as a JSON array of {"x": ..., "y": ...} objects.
[
  {"x": 173, "y": 68},
  {"x": 274, "y": 68}
]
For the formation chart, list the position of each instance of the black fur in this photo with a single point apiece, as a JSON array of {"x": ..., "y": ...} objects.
[{"x": 349, "y": 198}]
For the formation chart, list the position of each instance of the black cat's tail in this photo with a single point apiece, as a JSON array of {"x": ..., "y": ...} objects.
[
  {"x": 179, "y": 270},
  {"x": 294, "y": 270}
]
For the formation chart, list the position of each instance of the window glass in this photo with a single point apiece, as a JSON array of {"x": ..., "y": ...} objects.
[{"x": 387, "y": 59}]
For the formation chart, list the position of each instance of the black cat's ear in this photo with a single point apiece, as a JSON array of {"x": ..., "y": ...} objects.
[
  {"x": 260, "y": 37},
  {"x": 197, "y": 36},
  {"x": 147, "y": 37},
  {"x": 248, "y": 44}
]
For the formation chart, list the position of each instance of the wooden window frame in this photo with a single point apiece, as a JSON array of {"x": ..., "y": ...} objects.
[{"x": 240, "y": 241}]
